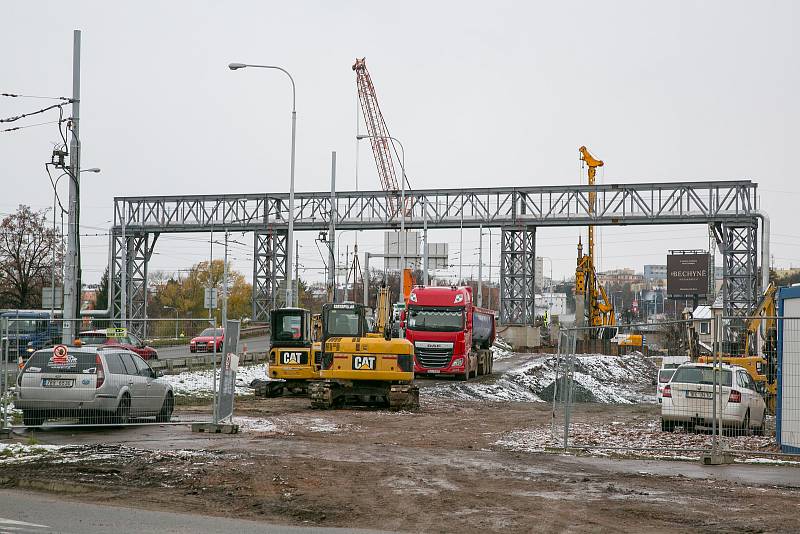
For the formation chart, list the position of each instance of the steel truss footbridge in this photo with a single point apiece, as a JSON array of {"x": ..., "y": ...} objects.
[{"x": 728, "y": 207}]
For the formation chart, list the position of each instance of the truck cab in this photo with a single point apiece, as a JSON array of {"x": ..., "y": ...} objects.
[
  {"x": 450, "y": 335},
  {"x": 28, "y": 331}
]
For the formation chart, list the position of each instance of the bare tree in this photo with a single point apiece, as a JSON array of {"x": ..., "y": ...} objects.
[{"x": 26, "y": 258}]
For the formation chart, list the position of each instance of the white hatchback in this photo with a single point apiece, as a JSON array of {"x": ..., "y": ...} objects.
[{"x": 688, "y": 399}]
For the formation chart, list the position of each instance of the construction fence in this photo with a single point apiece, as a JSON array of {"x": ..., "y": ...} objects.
[
  {"x": 108, "y": 375},
  {"x": 718, "y": 388}
]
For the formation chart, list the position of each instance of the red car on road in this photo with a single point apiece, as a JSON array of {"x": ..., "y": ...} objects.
[
  {"x": 126, "y": 341},
  {"x": 205, "y": 341}
]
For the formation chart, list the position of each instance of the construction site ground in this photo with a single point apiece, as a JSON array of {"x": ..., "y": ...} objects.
[{"x": 458, "y": 465}]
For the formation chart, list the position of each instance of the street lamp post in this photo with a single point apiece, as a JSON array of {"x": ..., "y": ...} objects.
[
  {"x": 63, "y": 211},
  {"x": 176, "y": 318},
  {"x": 402, "y": 206},
  {"x": 290, "y": 232}
]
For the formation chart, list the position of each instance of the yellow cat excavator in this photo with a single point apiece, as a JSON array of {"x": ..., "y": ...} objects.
[
  {"x": 362, "y": 368},
  {"x": 294, "y": 353}
]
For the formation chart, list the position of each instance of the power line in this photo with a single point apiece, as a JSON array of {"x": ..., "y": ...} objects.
[{"x": 62, "y": 98}]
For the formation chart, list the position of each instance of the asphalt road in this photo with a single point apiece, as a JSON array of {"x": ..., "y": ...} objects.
[
  {"x": 254, "y": 344},
  {"x": 26, "y": 512}
]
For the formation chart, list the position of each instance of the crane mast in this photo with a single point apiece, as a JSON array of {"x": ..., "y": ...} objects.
[
  {"x": 382, "y": 145},
  {"x": 599, "y": 311}
]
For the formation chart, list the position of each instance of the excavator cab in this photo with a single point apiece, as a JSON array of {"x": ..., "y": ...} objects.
[{"x": 294, "y": 358}]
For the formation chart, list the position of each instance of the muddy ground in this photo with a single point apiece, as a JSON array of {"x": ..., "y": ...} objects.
[{"x": 444, "y": 469}]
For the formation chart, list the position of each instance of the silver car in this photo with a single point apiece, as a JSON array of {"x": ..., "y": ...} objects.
[{"x": 96, "y": 385}]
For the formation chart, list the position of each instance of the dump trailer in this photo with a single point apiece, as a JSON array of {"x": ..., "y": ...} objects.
[
  {"x": 361, "y": 368},
  {"x": 294, "y": 358},
  {"x": 450, "y": 335}
]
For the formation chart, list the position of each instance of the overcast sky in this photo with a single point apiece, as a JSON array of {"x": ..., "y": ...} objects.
[{"x": 480, "y": 93}]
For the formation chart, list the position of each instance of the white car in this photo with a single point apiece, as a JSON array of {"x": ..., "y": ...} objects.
[
  {"x": 97, "y": 385},
  {"x": 688, "y": 399},
  {"x": 664, "y": 376}
]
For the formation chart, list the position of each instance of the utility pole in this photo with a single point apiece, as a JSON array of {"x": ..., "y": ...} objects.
[
  {"x": 425, "y": 250},
  {"x": 490, "y": 268},
  {"x": 332, "y": 232},
  {"x": 297, "y": 271},
  {"x": 72, "y": 269},
  {"x": 225, "y": 284},
  {"x": 480, "y": 266}
]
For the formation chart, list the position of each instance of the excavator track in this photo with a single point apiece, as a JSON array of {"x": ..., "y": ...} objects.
[
  {"x": 321, "y": 395},
  {"x": 404, "y": 397}
]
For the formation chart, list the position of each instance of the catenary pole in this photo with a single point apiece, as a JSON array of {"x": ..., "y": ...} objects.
[{"x": 72, "y": 269}]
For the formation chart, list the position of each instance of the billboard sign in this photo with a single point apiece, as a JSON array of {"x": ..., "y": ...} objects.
[{"x": 687, "y": 275}]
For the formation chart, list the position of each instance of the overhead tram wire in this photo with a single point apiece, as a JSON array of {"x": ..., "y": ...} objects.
[{"x": 62, "y": 98}]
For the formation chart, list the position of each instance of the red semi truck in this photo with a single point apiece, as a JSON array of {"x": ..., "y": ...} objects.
[{"x": 450, "y": 335}]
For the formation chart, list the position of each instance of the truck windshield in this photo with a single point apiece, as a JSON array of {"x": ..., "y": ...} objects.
[
  {"x": 26, "y": 326},
  {"x": 436, "y": 319}
]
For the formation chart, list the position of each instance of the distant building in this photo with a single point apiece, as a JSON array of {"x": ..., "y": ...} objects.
[
  {"x": 785, "y": 273},
  {"x": 618, "y": 277},
  {"x": 554, "y": 303},
  {"x": 653, "y": 273}
]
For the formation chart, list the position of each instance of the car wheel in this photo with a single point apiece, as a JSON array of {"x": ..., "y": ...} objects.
[
  {"x": 167, "y": 408},
  {"x": 123, "y": 413},
  {"x": 32, "y": 418},
  {"x": 667, "y": 426}
]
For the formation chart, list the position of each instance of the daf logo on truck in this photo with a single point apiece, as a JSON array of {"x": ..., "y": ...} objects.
[{"x": 366, "y": 363}]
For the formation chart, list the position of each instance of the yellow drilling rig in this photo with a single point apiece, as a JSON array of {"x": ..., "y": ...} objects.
[{"x": 591, "y": 301}]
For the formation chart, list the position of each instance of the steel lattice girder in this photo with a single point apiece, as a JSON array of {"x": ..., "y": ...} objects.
[
  {"x": 615, "y": 204},
  {"x": 517, "y": 276},
  {"x": 269, "y": 272},
  {"x": 729, "y": 203},
  {"x": 137, "y": 248},
  {"x": 740, "y": 287}
]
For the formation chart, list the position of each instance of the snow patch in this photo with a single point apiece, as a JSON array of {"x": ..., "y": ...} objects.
[
  {"x": 200, "y": 383},
  {"x": 610, "y": 379}
]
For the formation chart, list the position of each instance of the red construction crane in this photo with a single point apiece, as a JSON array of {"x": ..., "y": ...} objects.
[{"x": 382, "y": 145}]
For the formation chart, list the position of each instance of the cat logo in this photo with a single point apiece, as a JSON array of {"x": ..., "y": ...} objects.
[
  {"x": 291, "y": 358},
  {"x": 364, "y": 363}
]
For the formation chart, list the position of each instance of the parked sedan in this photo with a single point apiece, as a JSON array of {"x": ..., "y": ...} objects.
[
  {"x": 96, "y": 385},
  {"x": 205, "y": 341},
  {"x": 128, "y": 341},
  {"x": 688, "y": 399}
]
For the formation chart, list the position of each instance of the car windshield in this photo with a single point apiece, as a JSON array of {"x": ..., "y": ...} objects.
[
  {"x": 93, "y": 338},
  {"x": 665, "y": 374},
  {"x": 700, "y": 375},
  {"x": 47, "y": 361},
  {"x": 343, "y": 322},
  {"x": 438, "y": 320},
  {"x": 209, "y": 332}
]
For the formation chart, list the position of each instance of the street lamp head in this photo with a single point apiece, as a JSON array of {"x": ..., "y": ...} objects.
[
  {"x": 236, "y": 66},
  {"x": 93, "y": 169},
  {"x": 363, "y": 136}
]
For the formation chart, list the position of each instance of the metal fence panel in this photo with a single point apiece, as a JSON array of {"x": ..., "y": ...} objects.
[{"x": 108, "y": 375}]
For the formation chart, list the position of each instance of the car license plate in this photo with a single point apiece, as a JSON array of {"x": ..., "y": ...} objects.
[
  {"x": 699, "y": 394},
  {"x": 433, "y": 371},
  {"x": 55, "y": 383}
]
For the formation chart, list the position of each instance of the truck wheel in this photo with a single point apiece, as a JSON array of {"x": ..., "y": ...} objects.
[
  {"x": 667, "y": 426},
  {"x": 464, "y": 376}
]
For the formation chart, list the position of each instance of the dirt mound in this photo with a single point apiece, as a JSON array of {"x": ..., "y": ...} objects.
[{"x": 579, "y": 392}]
